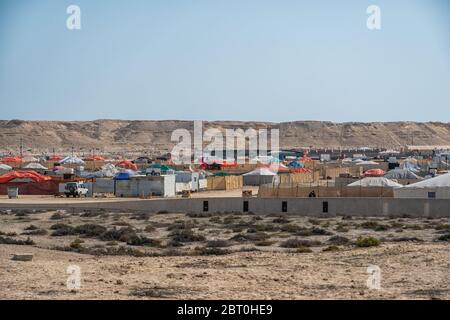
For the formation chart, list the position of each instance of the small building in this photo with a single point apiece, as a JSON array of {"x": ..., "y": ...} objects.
[
  {"x": 187, "y": 181},
  {"x": 434, "y": 188},
  {"x": 145, "y": 186}
]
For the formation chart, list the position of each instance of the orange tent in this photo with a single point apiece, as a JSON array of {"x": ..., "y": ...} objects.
[
  {"x": 95, "y": 158},
  {"x": 55, "y": 157},
  {"x": 374, "y": 173},
  {"x": 126, "y": 164},
  {"x": 11, "y": 159},
  {"x": 33, "y": 175}
]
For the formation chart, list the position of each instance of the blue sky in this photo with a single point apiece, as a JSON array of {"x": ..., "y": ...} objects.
[{"x": 225, "y": 60}]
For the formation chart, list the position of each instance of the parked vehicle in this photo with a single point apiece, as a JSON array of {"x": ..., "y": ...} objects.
[{"x": 75, "y": 189}]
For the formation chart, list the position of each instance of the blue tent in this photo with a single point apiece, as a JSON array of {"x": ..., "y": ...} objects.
[
  {"x": 296, "y": 164},
  {"x": 124, "y": 175}
]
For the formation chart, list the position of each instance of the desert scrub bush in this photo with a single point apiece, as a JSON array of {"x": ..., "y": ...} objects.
[
  {"x": 341, "y": 228},
  {"x": 56, "y": 216},
  {"x": 364, "y": 242},
  {"x": 413, "y": 227},
  {"x": 259, "y": 236},
  {"x": 372, "y": 225},
  {"x": 338, "y": 240},
  {"x": 76, "y": 244},
  {"x": 121, "y": 224},
  {"x": 9, "y": 234},
  {"x": 181, "y": 225},
  {"x": 444, "y": 237},
  {"x": 140, "y": 216},
  {"x": 296, "y": 243},
  {"x": 31, "y": 227},
  {"x": 186, "y": 235},
  {"x": 92, "y": 213},
  {"x": 215, "y": 219},
  {"x": 280, "y": 220},
  {"x": 61, "y": 229},
  {"x": 315, "y": 231},
  {"x": 90, "y": 230},
  {"x": 407, "y": 239},
  {"x": 291, "y": 228},
  {"x": 442, "y": 227},
  {"x": 264, "y": 243},
  {"x": 218, "y": 243},
  {"x": 122, "y": 234},
  {"x": 149, "y": 228},
  {"x": 302, "y": 249},
  {"x": 314, "y": 222},
  {"x": 8, "y": 240},
  {"x": 206, "y": 251},
  {"x": 35, "y": 232},
  {"x": 331, "y": 249},
  {"x": 143, "y": 241},
  {"x": 199, "y": 214}
]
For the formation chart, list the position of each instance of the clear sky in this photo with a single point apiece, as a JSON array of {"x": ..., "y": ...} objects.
[{"x": 274, "y": 60}]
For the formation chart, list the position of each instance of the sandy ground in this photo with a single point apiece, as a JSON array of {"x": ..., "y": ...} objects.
[
  {"x": 409, "y": 271},
  {"x": 414, "y": 263}
]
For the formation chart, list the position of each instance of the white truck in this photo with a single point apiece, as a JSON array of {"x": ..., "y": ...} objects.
[{"x": 75, "y": 189}]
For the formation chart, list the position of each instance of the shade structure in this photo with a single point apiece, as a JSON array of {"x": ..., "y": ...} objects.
[
  {"x": 375, "y": 182},
  {"x": 31, "y": 175},
  {"x": 35, "y": 166},
  {"x": 433, "y": 188},
  {"x": 126, "y": 164},
  {"x": 71, "y": 160},
  {"x": 374, "y": 173}
]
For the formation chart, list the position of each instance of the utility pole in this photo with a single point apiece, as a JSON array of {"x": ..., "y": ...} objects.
[{"x": 21, "y": 147}]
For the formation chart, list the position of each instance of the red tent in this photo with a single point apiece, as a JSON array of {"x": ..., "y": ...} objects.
[
  {"x": 95, "y": 158},
  {"x": 374, "y": 173},
  {"x": 126, "y": 164},
  {"x": 55, "y": 157},
  {"x": 33, "y": 175},
  {"x": 11, "y": 159}
]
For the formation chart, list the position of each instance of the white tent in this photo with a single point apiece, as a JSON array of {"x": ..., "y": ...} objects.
[
  {"x": 402, "y": 174},
  {"x": 375, "y": 182},
  {"x": 35, "y": 166},
  {"x": 258, "y": 177},
  {"x": 5, "y": 167},
  {"x": 29, "y": 159},
  {"x": 71, "y": 160},
  {"x": 437, "y": 187},
  {"x": 260, "y": 172}
]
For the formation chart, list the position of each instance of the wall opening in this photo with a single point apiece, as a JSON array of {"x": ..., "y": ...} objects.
[
  {"x": 245, "y": 209},
  {"x": 205, "y": 206},
  {"x": 325, "y": 207},
  {"x": 284, "y": 206}
]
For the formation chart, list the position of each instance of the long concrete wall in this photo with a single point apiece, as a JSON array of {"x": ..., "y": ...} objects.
[{"x": 297, "y": 206}]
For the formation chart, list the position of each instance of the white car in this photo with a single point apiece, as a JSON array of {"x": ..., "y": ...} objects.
[{"x": 75, "y": 189}]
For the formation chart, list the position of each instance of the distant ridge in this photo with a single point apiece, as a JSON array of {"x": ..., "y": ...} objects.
[{"x": 154, "y": 135}]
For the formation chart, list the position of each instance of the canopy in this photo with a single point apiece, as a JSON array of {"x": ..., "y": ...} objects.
[
  {"x": 374, "y": 173},
  {"x": 441, "y": 181},
  {"x": 35, "y": 165},
  {"x": 11, "y": 159},
  {"x": 71, "y": 160},
  {"x": 32, "y": 175},
  {"x": 260, "y": 172},
  {"x": 126, "y": 164},
  {"x": 375, "y": 182},
  {"x": 401, "y": 174}
]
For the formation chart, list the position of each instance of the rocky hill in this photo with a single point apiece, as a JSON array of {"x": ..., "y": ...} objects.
[{"x": 154, "y": 136}]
